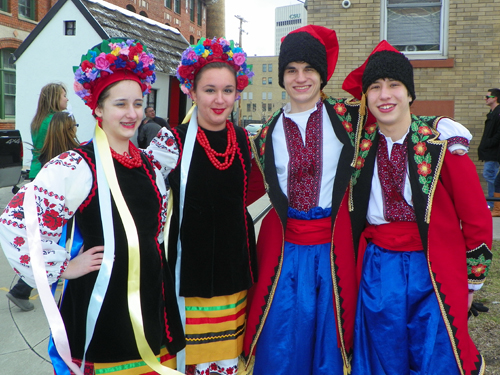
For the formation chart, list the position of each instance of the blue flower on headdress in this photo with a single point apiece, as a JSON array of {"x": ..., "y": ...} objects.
[
  {"x": 119, "y": 63},
  {"x": 199, "y": 49}
]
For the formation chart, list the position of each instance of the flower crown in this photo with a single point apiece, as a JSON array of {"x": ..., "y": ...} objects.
[
  {"x": 116, "y": 55},
  {"x": 208, "y": 51}
]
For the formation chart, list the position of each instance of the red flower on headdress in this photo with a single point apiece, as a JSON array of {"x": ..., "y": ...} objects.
[
  {"x": 87, "y": 65},
  {"x": 185, "y": 70},
  {"x": 217, "y": 50},
  {"x": 242, "y": 82},
  {"x": 207, "y": 43},
  {"x": 134, "y": 50},
  {"x": 111, "y": 58}
]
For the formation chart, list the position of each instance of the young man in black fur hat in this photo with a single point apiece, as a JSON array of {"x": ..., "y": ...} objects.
[{"x": 426, "y": 247}]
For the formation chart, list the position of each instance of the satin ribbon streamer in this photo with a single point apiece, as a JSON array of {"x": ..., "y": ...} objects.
[
  {"x": 187, "y": 155},
  {"x": 54, "y": 318},
  {"x": 133, "y": 284}
]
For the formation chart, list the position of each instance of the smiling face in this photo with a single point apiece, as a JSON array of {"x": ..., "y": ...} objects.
[
  {"x": 303, "y": 83},
  {"x": 121, "y": 113},
  {"x": 215, "y": 94},
  {"x": 389, "y": 101}
]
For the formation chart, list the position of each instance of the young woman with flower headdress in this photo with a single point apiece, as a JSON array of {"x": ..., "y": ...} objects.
[
  {"x": 123, "y": 319},
  {"x": 211, "y": 235}
]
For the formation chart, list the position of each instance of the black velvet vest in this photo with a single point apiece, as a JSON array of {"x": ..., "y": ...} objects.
[
  {"x": 113, "y": 339},
  {"x": 217, "y": 235}
]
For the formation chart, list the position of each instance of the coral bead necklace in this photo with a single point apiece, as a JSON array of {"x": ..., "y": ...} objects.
[
  {"x": 130, "y": 161},
  {"x": 228, "y": 155}
]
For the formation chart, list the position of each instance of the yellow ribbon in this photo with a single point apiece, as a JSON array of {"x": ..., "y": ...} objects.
[
  {"x": 133, "y": 283},
  {"x": 188, "y": 115}
]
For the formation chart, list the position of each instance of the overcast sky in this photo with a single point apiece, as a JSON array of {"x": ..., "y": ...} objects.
[{"x": 259, "y": 15}]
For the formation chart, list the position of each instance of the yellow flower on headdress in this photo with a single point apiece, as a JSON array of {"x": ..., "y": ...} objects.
[
  {"x": 206, "y": 53},
  {"x": 136, "y": 59},
  {"x": 230, "y": 53},
  {"x": 116, "y": 51}
]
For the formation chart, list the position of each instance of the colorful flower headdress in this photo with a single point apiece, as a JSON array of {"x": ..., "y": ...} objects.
[
  {"x": 208, "y": 51},
  {"x": 113, "y": 60}
]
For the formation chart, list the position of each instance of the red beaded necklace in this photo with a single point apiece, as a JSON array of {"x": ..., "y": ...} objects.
[
  {"x": 228, "y": 155},
  {"x": 130, "y": 161}
]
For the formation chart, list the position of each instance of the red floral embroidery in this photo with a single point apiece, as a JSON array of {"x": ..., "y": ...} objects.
[
  {"x": 18, "y": 215},
  {"x": 360, "y": 162},
  {"x": 19, "y": 241},
  {"x": 17, "y": 200},
  {"x": 347, "y": 126},
  {"x": 424, "y": 169},
  {"x": 420, "y": 148},
  {"x": 479, "y": 269},
  {"x": 52, "y": 220},
  {"x": 340, "y": 109},
  {"x": 64, "y": 155},
  {"x": 425, "y": 130},
  {"x": 24, "y": 259},
  {"x": 264, "y": 132},
  {"x": 365, "y": 144},
  {"x": 170, "y": 142},
  {"x": 371, "y": 128},
  {"x": 263, "y": 149}
]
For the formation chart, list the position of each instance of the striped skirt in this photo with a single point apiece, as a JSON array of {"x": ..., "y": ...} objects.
[
  {"x": 215, "y": 327},
  {"x": 128, "y": 367}
]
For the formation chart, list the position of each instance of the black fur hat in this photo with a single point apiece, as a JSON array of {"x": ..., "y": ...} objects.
[
  {"x": 389, "y": 64},
  {"x": 303, "y": 47}
]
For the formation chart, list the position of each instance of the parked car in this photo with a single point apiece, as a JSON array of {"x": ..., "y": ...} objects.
[
  {"x": 11, "y": 157},
  {"x": 253, "y": 128}
]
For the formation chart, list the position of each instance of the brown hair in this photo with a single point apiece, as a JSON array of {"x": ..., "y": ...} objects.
[
  {"x": 61, "y": 136},
  {"x": 49, "y": 101},
  {"x": 214, "y": 65}
]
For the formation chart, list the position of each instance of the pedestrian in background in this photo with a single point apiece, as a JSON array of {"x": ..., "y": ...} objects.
[{"x": 489, "y": 147}]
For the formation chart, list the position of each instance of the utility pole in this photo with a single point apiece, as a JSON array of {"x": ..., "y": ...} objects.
[{"x": 241, "y": 46}]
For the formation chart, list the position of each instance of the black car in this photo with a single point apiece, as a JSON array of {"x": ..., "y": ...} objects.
[{"x": 11, "y": 157}]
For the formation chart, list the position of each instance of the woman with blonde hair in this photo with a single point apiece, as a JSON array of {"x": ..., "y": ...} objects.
[{"x": 52, "y": 99}]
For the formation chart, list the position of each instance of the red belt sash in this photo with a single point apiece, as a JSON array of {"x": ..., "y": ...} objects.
[{"x": 308, "y": 232}]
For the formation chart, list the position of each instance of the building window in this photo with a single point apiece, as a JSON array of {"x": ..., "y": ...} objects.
[
  {"x": 69, "y": 27},
  {"x": 244, "y": 117},
  {"x": 27, "y": 9},
  {"x": 151, "y": 98},
  {"x": 7, "y": 84},
  {"x": 254, "y": 107},
  {"x": 130, "y": 8},
  {"x": 4, "y": 5},
  {"x": 264, "y": 68},
  {"x": 264, "y": 80},
  {"x": 191, "y": 10},
  {"x": 249, "y": 107},
  {"x": 191, "y": 39},
  {"x": 270, "y": 68},
  {"x": 270, "y": 96},
  {"x": 269, "y": 107},
  {"x": 264, "y": 96},
  {"x": 414, "y": 26},
  {"x": 168, "y": 4},
  {"x": 249, "y": 117},
  {"x": 283, "y": 95},
  {"x": 198, "y": 13},
  {"x": 245, "y": 95},
  {"x": 143, "y": 13},
  {"x": 270, "y": 80},
  {"x": 263, "y": 107},
  {"x": 250, "y": 96},
  {"x": 177, "y": 6}
]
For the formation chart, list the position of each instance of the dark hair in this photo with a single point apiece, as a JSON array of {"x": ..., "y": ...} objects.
[
  {"x": 214, "y": 65},
  {"x": 149, "y": 106},
  {"x": 496, "y": 93}
]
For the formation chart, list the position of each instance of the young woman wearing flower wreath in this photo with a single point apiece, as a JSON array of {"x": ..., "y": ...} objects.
[
  {"x": 123, "y": 319},
  {"x": 211, "y": 235}
]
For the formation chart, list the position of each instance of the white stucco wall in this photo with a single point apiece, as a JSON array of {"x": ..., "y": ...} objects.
[{"x": 50, "y": 58}]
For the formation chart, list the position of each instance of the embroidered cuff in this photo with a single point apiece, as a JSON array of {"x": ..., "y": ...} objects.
[
  {"x": 478, "y": 265},
  {"x": 462, "y": 141}
]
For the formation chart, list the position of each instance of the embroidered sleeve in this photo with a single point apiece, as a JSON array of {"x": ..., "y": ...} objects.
[
  {"x": 458, "y": 136},
  {"x": 478, "y": 266},
  {"x": 163, "y": 152},
  {"x": 60, "y": 187}
]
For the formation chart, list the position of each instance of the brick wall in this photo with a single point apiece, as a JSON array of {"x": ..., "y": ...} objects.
[{"x": 473, "y": 40}]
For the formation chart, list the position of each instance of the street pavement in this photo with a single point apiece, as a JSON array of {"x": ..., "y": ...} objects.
[{"x": 24, "y": 335}]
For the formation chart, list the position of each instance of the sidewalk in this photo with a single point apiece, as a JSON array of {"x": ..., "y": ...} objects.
[{"x": 24, "y": 335}]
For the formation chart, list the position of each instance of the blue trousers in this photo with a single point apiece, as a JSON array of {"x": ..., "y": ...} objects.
[
  {"x": 399, "y": 328},
  {"x": 490, "y": 171},
  {"x": 299, "y": 335},
  {"x": 21, "y": 290}
]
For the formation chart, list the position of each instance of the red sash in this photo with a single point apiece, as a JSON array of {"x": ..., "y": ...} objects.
[{"x": 308, "y": 232}]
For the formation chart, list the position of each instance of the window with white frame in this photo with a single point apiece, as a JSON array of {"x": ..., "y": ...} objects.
[
  {"x": 250, "y": 96},
  {"x": 7, "y": 84},
  {"x": 264, "y": 96},
  {"x": 245, "y": 96},
  {"x": 416, "y": 27}
]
